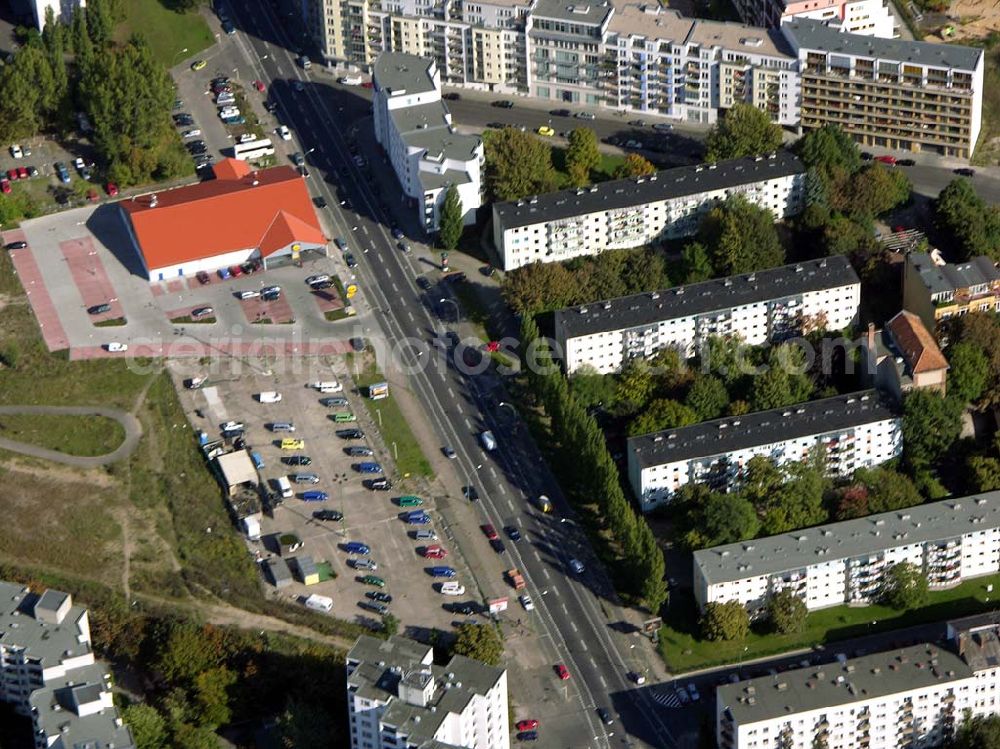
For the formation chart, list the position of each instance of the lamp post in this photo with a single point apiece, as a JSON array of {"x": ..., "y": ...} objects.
[
  {"x": 458, "y": 311},
  {"x": 340, "y": 479},
  {"x": 179, "y": 53}
]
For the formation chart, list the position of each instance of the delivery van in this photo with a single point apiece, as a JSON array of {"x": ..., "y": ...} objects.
[
  {"x": 330, "y": 386},
  {"x": 269, "y": 396},
  {"x": 319, "y": 603},
  {"x": 284, "y": 486}
]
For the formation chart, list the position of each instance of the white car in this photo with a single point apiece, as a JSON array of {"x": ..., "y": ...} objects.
[
  {"x": 16, "y": 151},
  {"x": 453, "y": 589},
  {"x": 528, "y": 604},
  {"x": 247, "y": 137},
  {"x": 231, "y": 426},
  {"x": 227, "y": 112},
  {"x": 284, "y": 133},
  {"x": 191, "y": 133},
  {"x": 321, "y": 278},
  {"x": 576, "y": 565},
  {"x": 116, "y": 347},
  {"x": 248, "y": 294}
]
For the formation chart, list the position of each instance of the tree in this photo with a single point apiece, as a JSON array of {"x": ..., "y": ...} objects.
[
  {"x": 390, "y": 625},
  {"x": 188, "y": 650},
  {"x": 798, "y": 501},
  {"x": 969, "y": 372},
  {"x": 517, "y": 165},
  {"x": 787, "y": 612},
  {"x": 634, "y": 165},
  {"x": 829, "y": 149},
  {"x": 100, "y": 23},
  {"x": 149, "y": 729},
  {"x": 582, "y": 155},
  {"x": 308, "y": 725},
  {"x": 887, "y": 490},
  {"x": 980, "y": 732},
  {"x": 451, "y": 219},
  {"x": 984, "y": 473},
  {"x": 725, "y": 621},
  {"x": 877, "y": 189},
  {"x": 904, "y": 586},
  {"x": 662, "y": 413},
  {"x": 635, "y": 385},
  {"x": 740, "y": 237},
  {"x": 852, "y": 502},
  {"x": 972, "y": 226},
  {"x": 479, "y": 641},
  {"x": 212, "y": 696},
  {"x": 784, "y": 382},
  {"x": 728, "y": 518},
  {"x": 743, "y": 131},
  {"x": 590, "y": 388},
  {"x": 194, "y": 737},
  {"x": 931, "y": 424},
  {"x": 695, "y": 263},
  {"x": 539, "y": 287},
  {"x": 707, "y": 397}
]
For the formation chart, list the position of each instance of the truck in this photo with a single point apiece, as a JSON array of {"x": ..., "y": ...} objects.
[
  {"x": 251, "y": 526},
  {"x": 515, "y": 578}
]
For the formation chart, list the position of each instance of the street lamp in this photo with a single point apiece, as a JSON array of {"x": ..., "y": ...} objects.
[
  {"x": 458, "y": 312},
  {"x": 179, "y": 53},
  {"x": 340, "y": 479}
]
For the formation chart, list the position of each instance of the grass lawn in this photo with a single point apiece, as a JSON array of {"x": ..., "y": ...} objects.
[
  {"x": 336, "y": 314},
  {"x": 195, "y": 320},
  {"x": 115, "y": 322},
  {"x": 72, "y": 435},
  {"x": 166, "y": 31},
  {"x": 683, "y": 651},
  {"x": 410, "y": 458}
]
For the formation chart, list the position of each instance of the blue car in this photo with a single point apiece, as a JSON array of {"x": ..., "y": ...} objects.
[
  {"x": 314, "y": 496},
  {"x": 224, "y": 273},
  {"x": 368, "y": 467},
  {"x": 63, "y": 172},
  {"x": 421, "y": 518},
  {"x": 441, "y": 571},
  {"x": 356, "y": 547},
  {"x": 528, "y": 736}
]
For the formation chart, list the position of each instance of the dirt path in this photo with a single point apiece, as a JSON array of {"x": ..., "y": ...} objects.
[{"x": 131, "y": 425}]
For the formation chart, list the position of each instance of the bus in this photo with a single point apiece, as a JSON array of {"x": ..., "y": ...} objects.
[
  {"x": 378, "y": 390},
  {"x": 255, "y": 149}
]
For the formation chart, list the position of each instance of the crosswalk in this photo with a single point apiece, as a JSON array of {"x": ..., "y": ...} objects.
[{"x": 666, "y": 699}]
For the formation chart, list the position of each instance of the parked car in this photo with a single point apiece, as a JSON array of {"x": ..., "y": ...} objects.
[
  {"x": 379, "y": 608},
  {"x": 328, "y": 515},
  {"x": 470, "y": 493},
  {"x": 503, "y": 104},
  {"x": 202, "y": 312},
  {"x": 368, "y": 467},
  {"x": 62, "y": 172},
  {"x": 359, "y": 451},
  {"x": 526, "y": 601},
  {"x": 585, "y": 116},
  {"x": 356, "y": 547},
  {"x": 441, "y": 571},
  {"x": 297, "y": 460},
  {"x": 512, "y": 533},
  {"x": 18, "y": 245},
  {"x": 965, "y": 172},
  {"x": 887, "y": 160},
  {"x": 99, "y": 309},
  {"x": 350, "y": 434},
  {"x": 375, "y": 580},
  {"x": 377, "y": 595},
  {"x": 315, "y": 496},
  {"x": 283, "y": 132},
  {"x": 562, "y": 672},
  {"x": 576, "y": 565},
  {"x": 489, "y": 531}
]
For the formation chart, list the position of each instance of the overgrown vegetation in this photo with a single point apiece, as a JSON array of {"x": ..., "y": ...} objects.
[{"x": 72, "y": 435}]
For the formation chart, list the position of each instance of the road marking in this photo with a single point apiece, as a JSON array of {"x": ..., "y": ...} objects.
[
  {"x": 493, "y": 472},
  {"x": 545, "y": 571},
  {"x": 572, "y": 624},
  {"x": 503, "y": 488},
  {"x": 451, "y": 393},
  {"x": 510, "y": 505},
  {"x": 409, "y": 314},
  {"x": 395, "y": 287},
  {"x": 565, "y": 610},
  {"x": 604, "y": 683},
  {"x": 583, "y": 645}
]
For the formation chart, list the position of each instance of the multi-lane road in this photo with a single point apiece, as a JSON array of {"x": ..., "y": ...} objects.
[{"x": 574, "y": 612}]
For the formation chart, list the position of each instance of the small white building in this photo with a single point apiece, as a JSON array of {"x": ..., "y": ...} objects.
[
  {"x": 397, "y": 698},
  {"x": 414, "y": 127},
  {"x": 838, "y": 563},
  {"x": 641, "y": 210},
  {"x": 858, "y": 430},
  {"x": 865, "y": 17},
  {"x": 766, "y": 306}
]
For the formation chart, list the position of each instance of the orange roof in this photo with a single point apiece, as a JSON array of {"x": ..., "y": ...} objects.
[
  {"x": 916, "y": 343},
  {"x": 240, "y": 209}
]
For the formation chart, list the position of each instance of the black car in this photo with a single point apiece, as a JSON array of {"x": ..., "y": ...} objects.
[
  {"x": 866, "y": 156},
  {"x": 16, "y": 245},
  {"x": 966, "y": 172},
  {"x": 349, "y": 259},
  {"x": 605, "y": 716},
  {"x": 320, "y": 285},
  {"x": 270, "y": 106},
  {"x": 350, "y": 434},
  {"x": 561, "y": 113},
  {"x": 378, "y": 485},
  {"x": 451, "y": 96},
  {"x": 470, "y": 493},
  {"x": 99, "y": 309},
  {"x": 498, "y": 546},
  {"x": 298, "y": 159},
  {"x": 319, "y": 201},
  {"x": 328, "y": 515},
  {"x": 334, "y": 401},
  {"x": 379, "y": 608},
  {"x": 359, "y": 452},
  {"x": 906, "y": 162},
  {"x": 228, "y": 27},
  {"x": 503, "y": 104},
  {"x": 467, "y": 608},
  {"x": 200, "y": 151},
  {"x": 297, "y": 460},
  {"x": 378, "y": 595},
  {"x": 183, "y": 118},
  {"x": 496, "y": 125},
  {"x": 358, "y": 344},
  {"x": 512, "y": 533},
  {"x": 423, "y": 283}
]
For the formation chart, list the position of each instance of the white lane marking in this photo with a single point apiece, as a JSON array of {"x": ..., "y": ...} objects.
[
  {"x": 409, "y": 314},
  {"x": 451, "y": 393},
  {"x": 545, "y": 571},
  {"x": 572, "y": 624},
  {"x": 395, "y": 287},
  {"x": 604, "y": 683}
]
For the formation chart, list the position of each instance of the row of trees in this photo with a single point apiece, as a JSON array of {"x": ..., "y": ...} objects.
[
  {"x": 589, "y": 474},
  {"x": 970, "y": 224}
]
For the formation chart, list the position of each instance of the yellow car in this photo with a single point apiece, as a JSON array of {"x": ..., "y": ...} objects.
[
  {"x": 546, "y": 130},
  {"x": 292, "y": 444},
  {"x": 198, "y": 64}
]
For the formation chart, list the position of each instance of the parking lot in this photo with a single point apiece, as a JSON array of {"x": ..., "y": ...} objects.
[{"x": 373, "y": 518}]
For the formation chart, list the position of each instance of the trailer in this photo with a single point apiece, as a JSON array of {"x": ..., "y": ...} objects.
[{"x": 515, "y": 578}]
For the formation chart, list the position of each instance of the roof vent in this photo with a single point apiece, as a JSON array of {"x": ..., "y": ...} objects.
[
  {"x": 153, "y": 200},
  {"x": 656, "y": 295}
]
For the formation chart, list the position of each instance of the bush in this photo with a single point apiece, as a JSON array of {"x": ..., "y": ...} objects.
[{"x": 725, "y": 621}]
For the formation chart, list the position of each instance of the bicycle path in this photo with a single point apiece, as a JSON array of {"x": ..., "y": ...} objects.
[{"x": 131, "y": 425}]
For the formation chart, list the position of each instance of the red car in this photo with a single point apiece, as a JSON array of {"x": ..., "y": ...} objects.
[
  {"x": 111, "y": 189},
  {"x": 12, "y": 174},
  {"x": 435, "y": 552},
  {"x": 562, "y": 672},
  {"x": 890, "y": 160},
  {"x": 4, "y": 185},
  {"x": 236, "y": 271},
  {"x": 490, "y": 531},
  {"x": 367, "y": 84},
  {"x": 526, "y": 725},
  {"x": 22, "y": 172},
  {"x": 259, "y": 85}
]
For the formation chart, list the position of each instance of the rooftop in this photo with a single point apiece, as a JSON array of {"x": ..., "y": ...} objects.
[
  {"x": 58, "y": 705},
  {"x": 978, "y": 641},
  {"x": 445, "y": 143},
  {"x": 579, "y": 11},
  {"x": 842, "y": 683},
  {"x": 738, "y": 37},
  {"x": 722, "y": 436},
  {"x": 707, "y": 296},
  {"x": 915, "y": 343},
  {"x": 787, "y": 552},
  {"x": 400, "y": 73},
  {"x": 663, "y": 185},
  {"x": 237, "y": 468},
  {"x": 650, "y": 21},
  {"x": 810, "y": 34},
  {"x": 49, "y": 643},
  {"x": 952, "y": 277}
]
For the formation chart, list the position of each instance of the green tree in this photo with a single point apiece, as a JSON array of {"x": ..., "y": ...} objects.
[
  {"x": 100, "y": 23},
  {"x": 887, "y": 490},
  {"x": 662, "y": 413},
  {"x": 798, "y": 502},
  {"x": 695, "y": 263},
  {"x": 635, "y": 385},
  {"x": 843, "y": 235},
  {"x": 582, "y": 155},
  {"x": 904, "y": 586},
  {"x": 194, "y": 737},
  {"x": 829, "y": 150},
  {"x": 592, "y": 389},
  {"x": 980, "y": 732},
  {"x": 539, "y": 287},
  {"x": 517, "y": 165},
  {"x": 451, "y": 219},
  {"x": 787, "y": 612},
  {"x": 728, "y": 518},
  {"x": 390, "y": 625},
  {"x": 725, "y": 621},
  {"x": 212, "y": 698},
  {"x": 186, "y": 650},
  {"x": 148, "y": 727},
  {"x": 784, "y": 382},
  {"x": 707, "y": 397},
  {"x": 479, "y": 641},
  {"x": 931, "y": 424},
  {"x": 634, "y": 166},
  {"x": 743, "y": 131},
  {"x": 984, "y": 473},
  {"x": 740, "y": 237},
  {"x": 308, "y": 725},
  {"x": 972, "y": 226},
  {"x": 969, "y": 372},
  {"x": 877, "y": 189}
]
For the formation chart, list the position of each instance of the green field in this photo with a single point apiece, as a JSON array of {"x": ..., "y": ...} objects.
[
  {"x": 72, "y": 435},
  {"x": 683, "y": 651},
  {"x": 166, "y": 31}
]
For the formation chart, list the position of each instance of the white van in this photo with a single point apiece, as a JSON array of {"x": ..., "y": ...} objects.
[
  {"x": 284, "y": 486},
  {"x": 452, "y": 588},
  {"x": 319, "y": 603},
  {"x": 269, "y": 396},
  {"x": 350, "y": 80},
  {"x": 330, "y": 386},
  {"x": 251, "y": 526}
]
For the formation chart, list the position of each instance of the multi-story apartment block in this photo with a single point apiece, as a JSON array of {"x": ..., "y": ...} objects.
[
  {"x": 914, "y": 96},
  {"x": 866, "y": 17},
  {"x": 397, "y": 698},
  {"x": 48, "y": 672},
  {"x": 632, "y": 212},
  {"x": 838, "y": 563},
  {"x": 766, "y": 306},
  {"x": 936, "y": 292},
  {"x": 414, "y": 127},
  {"x": 903, "y": 357},
  {"x": 858, "y": 430},
  {"x": 915, "y": 696}
]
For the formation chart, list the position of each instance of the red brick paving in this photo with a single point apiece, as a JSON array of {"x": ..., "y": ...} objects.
[
  {"x": 90, "y": 277},
  {"x": 327, "y": 300},
  {"x": 38, "y": 295},
  {"x": 278, "y": 312},
  {"x": 157, "y": 289},
  {"x": 175, "y": 286},
  {"x": 196, "y": 349}
]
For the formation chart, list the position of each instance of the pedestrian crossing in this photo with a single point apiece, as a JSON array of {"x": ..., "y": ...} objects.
[{"x": 665, "y": 699}]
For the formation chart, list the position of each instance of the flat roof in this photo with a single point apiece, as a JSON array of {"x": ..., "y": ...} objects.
[
  {"x": 815, "y": 35},
  {"x": 237, "y": 468},
  {"x": 49, "y": 643},
  {"x": 704, "y": 297},
  {"x": 444, "y": 142},
  {"x": 650, "y": 21},
  {"x": 59, "y": 700},
  {"x": 950, "y": 277},
  {"x": 578, "y": 11},
  {"x": 722, "y": 436},
  {"x": 401, "y": 73},
  {"x": 935, "y": 521},
  {"x": 739, "y": 37},
  {"x": 663, "y": 185},
  {"x": 841, "y": 683}
]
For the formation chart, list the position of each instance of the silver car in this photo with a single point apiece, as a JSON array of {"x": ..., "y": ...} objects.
[
  {"x": 304, "y": 478},
  {"x": 363, "y": 564}
]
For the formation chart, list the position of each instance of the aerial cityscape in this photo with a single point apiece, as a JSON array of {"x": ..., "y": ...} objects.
[{"x": 450, "y": 374}]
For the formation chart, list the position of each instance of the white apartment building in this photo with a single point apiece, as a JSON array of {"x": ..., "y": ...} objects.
[
  {"x": 758, "y": 308},
  {"x": 62, "y": 10},
  {"x": 632, "y": 212},
  {"x": 48, "y": 672},
  {"x": 858, "y": 430},
  {"x": 397, "y": 698},
  {"x": 838, "y": 563},
  {"x": 865, "y": 17},
  {"x": 414, "y": 127}
]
